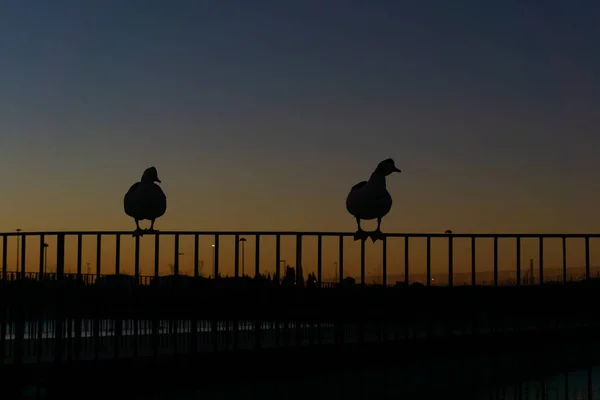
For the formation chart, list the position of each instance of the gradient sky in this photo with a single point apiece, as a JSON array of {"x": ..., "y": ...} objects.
[{"x": 260, "y": 115}]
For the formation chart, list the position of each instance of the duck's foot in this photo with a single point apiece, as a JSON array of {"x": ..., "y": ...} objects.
[
  {"x": 360, "y": 234},
  {"x": 150, "y": 230},
  {"x": 376, "y": 234},
  {"x": 138, "y": 232}
]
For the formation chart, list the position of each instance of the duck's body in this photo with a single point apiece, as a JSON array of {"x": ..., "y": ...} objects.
[
  {"x": 370, "y": 199},
  {"x": 145, "y": 200}
]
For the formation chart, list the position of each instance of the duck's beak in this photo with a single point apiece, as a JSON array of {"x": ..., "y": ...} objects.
[{"x": 396, "y": 170}]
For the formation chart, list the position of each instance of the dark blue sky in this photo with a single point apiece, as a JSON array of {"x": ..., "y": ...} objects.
[{"x": 262, "y": 114}]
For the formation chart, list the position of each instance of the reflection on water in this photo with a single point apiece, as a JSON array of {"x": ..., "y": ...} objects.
[
  {"x": 386, "y": 385},
  {"x": 581, "y": 384}
]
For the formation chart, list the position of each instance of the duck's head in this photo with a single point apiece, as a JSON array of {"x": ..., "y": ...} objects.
[
  {"x": 150, "y": 175},
  {"x": 386, "y": 167}
]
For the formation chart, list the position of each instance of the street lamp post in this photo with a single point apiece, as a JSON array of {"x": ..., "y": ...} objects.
[{"x": 243, "y": 241}]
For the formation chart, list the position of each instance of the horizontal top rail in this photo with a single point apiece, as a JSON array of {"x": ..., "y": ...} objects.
[{"x": 313, "y": 233}]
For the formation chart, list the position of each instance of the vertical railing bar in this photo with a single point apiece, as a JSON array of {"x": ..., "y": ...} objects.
[
  {"x": 77, "y": 320},
  {"x": 42, "y": 251},
  {"x": 216, "y": 256},
  {"x": 115, "y": 318},
  {"x": 196, "y": 255},
  {"x": 384, "y": 262},
  {"x": 176, "y": 254},
  {"x": 541, "y": 255},
  {"x": 319, "y": 261},
  {"x": 79, "y": 255},
  {"x": 60, "y": 270},
  {"x": 118, "y": 254},
  {"x": 236, "y": 261},
  {"x": 587, "y": 258},
  {"x": 341, "y": 260},
  {"x": 518, "y": 239},
  {"x": 136, "y": 272},
  {"x": 96, "y": 321},
  {"x": 23, "y": 255},
  {"x": 3, "y": 307},
  {"x": 156, "y": 315},
  {"x": 428, "y": 262},
  {"x": 20, "y": 314},
  {"x": 406, "y": 259},
  {"x": 299, "y": 283},
  {"x": 495, "y": 260},
  {"x": 299, "y": 271},
  {"x": 4, "y": 258},
  {"x": 362, "y": 264},
  {"x": 257, "y": 257},
  {"x": 278, "y": 259},
  {"x": 136, "y": 260},
  {"x": 473, "y": 261},
  {"x": 156, "y": 256},
  {"x": 450, "y": 260},
  {"x": 564, "y": 258},
  {"x": 98, "y": 256}
]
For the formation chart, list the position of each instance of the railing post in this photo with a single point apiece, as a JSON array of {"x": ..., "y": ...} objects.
[
  {"x": 118, "y": 254},
  {"x": 197, "y": 256},
  {"x": 98, "y": 256},
  {"x": 587, "y": 258},
  {"x": 341, "y": 260},
  {"x": 257, "y": 257},
  {"x": 42, "y": 250},
  {"x": 406, "y": 258},
  {"x": 278, "y": 259},
  {"x": 60, "y": 271},
  {"x": 362, "y": 264},
  {"x": 136, "y": 260},
  {"x": 564, "y": 258},
  {"x": 176, "y": 260},
  {"x": 518, "y": 238},
  {"x": 541, "y": 255},
  {"x": 299, "y": 271},
  {"x": 496, "y": 261},
  {"x": 450, "y": 260},
  {"x": 319, "y": 260},
  {"x": 236, "y": 262},
  {"x": 384, "y": 262},
  {"x": 473, "y": 261},
  {"x": 4, "y": 259},
  {"x": 428, "y": 262},
  {"x": 216, "y": 257},
  {"x": 23, "y": 254},
  {"x": 79, "y": 255}
]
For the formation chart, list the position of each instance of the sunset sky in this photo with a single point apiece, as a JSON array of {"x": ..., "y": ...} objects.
[{"x": 260, "y": 115}]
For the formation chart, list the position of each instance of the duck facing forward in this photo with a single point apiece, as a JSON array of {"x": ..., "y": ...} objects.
[
  {"x": 145, "y": 200},
  {"x": 370, "y": 199}
]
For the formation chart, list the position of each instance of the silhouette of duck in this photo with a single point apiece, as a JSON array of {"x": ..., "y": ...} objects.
[
  {"x": 370, "y": 199},
  {"x": 145, "y": 200}
]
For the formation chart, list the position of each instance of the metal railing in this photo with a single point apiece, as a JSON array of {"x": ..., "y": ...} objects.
[{"x": 24, "y": 240}]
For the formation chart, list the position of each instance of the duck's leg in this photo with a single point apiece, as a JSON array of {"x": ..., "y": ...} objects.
[
  {"x": 151, "y": 229},
  {"x": 377, "y": 234},
  {"x": 138, "y": 231},
  {"x": 360, "y": 234}
]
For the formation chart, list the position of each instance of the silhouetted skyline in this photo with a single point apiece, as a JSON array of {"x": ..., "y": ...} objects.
[{"x": 261, "y": 115}]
